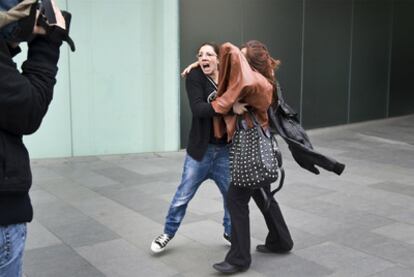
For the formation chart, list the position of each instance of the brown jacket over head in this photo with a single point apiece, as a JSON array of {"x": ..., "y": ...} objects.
[{"x": 239, "y": 82}]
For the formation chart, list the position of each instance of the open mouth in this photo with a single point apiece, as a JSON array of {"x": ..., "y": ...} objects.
[{"x": 205, "y": 66}]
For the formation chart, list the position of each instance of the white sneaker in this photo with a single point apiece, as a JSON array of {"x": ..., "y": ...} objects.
[{"x": 159, "y": 243}]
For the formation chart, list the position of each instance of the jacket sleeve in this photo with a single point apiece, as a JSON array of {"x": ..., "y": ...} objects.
[
  {"x": 239, "y": 82},
  {"x": 199, "y": 106},
  {"x": 25, "y": 97}
]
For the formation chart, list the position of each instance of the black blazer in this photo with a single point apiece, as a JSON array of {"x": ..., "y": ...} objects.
[{"x": 198, "y": 89}]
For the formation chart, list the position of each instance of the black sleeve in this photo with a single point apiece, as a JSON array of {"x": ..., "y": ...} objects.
[
  {"x": 198, "y": 104},
  {"x": 25, "y": 97}
]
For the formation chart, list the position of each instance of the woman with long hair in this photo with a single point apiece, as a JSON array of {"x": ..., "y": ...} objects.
[{"x": 247, "y": 78}]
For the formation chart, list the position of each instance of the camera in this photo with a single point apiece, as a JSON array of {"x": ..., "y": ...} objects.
[
  {"x": 17, "y": 19},
  {"x": 48, "y": 17}
]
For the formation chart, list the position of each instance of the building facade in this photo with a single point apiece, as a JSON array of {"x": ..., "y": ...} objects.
[{"x": 343, "y": 61}]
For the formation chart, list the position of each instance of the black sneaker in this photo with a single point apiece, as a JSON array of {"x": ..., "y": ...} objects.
[
  {"x": 263, "y": 249},
  {"x": 159, "y": 243},
  {"x": 227, "y": 268}
]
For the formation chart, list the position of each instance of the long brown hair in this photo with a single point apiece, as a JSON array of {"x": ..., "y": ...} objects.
[{"x": 259, "y": 58}]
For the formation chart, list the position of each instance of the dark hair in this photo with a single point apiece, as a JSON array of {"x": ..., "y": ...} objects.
[
  {"x": 259, "y": 58},
  {"x": 212, "y": 44}
]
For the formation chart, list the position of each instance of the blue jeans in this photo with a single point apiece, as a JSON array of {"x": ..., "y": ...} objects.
[
  {"x": 12, "y": 240},
  {"x": 215, "y": 166}
]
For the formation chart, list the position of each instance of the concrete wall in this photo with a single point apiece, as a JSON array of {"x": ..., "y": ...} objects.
[
  {"x": 119, "y": 92},
  {"x": 401, "y": 100},
  {"x": 343, "y": 61}
]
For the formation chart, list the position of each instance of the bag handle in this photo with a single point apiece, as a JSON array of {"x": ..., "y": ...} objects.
[
  {"x": 268, "y": 197},
  {"x": 239, "y": 124},
  {"x": 252, "y": 117},
  {"x": 281, "y": 181},
  {"x": 279, "y": 93},
  {"x": 255, "y": 121}
]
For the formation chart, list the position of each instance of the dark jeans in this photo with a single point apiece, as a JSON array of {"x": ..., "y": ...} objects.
[{"x": 278, "y": 238}]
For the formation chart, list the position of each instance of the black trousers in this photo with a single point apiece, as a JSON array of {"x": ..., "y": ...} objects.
[{"x": 278, "y": 238}]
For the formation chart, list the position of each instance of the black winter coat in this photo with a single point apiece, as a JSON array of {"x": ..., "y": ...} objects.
[{"x": 24, "y": 100}]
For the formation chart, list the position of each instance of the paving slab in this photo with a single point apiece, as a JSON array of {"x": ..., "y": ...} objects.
[{"x": 97, "y": 215}]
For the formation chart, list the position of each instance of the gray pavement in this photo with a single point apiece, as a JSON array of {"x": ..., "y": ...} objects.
[{"x": 96, "y": 216}]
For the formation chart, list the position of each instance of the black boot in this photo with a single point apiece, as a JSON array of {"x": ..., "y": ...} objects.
[
  {"x": 262, "y": 248},
  {"x": 227, "y": 268}
]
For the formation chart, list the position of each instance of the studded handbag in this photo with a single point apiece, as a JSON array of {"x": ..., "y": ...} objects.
[{"x": 255, "y": 157}]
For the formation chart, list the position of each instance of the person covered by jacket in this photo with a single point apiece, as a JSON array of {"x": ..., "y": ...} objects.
[
  {"x": 247, "y": 78},
  {"x": 207, "y": 156},
  {"x": 24, "y": 100}
]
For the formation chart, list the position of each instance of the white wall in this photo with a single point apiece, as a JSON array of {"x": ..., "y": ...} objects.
[{"x": 119, "y": 92}]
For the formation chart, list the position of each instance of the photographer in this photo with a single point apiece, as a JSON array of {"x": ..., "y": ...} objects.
[{"x": 24, "y": 100}]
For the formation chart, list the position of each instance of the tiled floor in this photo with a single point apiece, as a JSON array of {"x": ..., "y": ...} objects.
[{"x": 96, "y": 216}]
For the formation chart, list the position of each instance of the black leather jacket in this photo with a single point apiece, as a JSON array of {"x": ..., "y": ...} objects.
[{"x": 283, "y": 121}]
